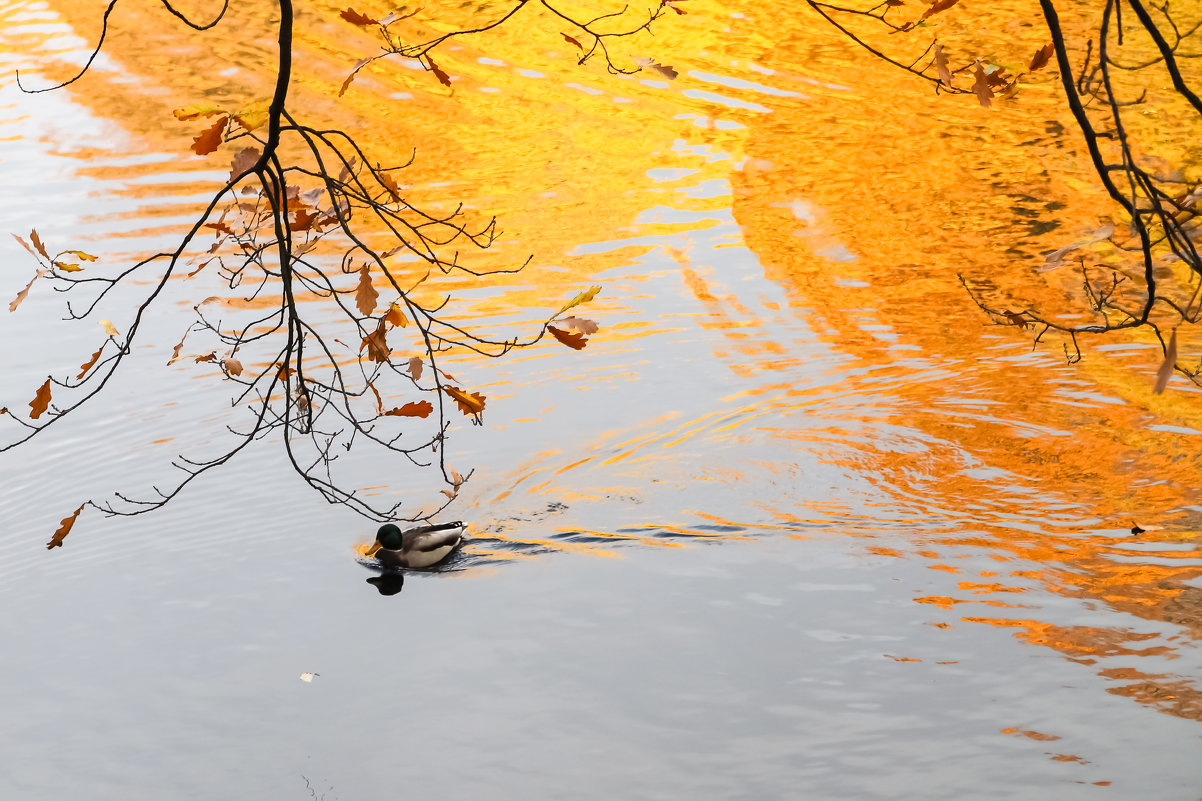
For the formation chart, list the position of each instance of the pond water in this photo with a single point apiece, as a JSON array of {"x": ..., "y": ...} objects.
[{"x": 798, "y": 522}]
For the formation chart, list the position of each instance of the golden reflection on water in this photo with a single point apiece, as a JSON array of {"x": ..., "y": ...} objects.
[{"x": 862, "y": 197}]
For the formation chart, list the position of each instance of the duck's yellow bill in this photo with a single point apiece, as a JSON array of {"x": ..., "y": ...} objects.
[{"x": 375, "y": 546}]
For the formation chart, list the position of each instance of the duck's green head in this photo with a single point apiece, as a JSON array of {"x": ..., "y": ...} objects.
[{"x": 388, "y": 537}]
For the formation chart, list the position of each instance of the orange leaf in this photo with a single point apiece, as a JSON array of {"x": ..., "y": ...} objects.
[
  {"x": 1042, "y": 55},
  {"x": 12, "y": 307},
  {"x": 220, "y": 227},
  {"x": 379, "y": 400},
  {"x": 83, "y": 368},
  {"x": 355, "y": 18},
  {"x": 64, "y": 528},
  {"x": 672, "y": 5},
  {"x": 470, "y": 403},
  {"x": 37, "y": 243},
  {"x": 939, "y": 5},
  {"x": 1166, "y": 367},
  {"x": 417, "y": 409},
  {"x": 366, "y": 294},
  {"x": 208, "y": 357},
  {"x": 41, "y": 401},
  {"x": 572, "y": 41},
  {"x": 302, "y": 220},
  {"x": 981, "y": 86},
  {"x": 377, "y": 345},
  {"x": 210, "y": 139},
  {"x": 443, "y": 78},
  {"x": 232, "y": 365},
  {"x": 388, "y": 183},
  {"x": 573, "y": 341},
  {"x": 360, "y": 64},
  {"x": 396, "y": 315}
]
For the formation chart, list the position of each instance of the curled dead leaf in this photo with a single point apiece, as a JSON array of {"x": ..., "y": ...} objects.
[
  {"x": 470, "y": 403},
  {"x": 232, "y": 365},
  {"x": 64, "y": 528},
  {"x": 980, "y": 85},
  {"x": 355, "y": 18},
  {"x": 40, "y": 402},
  {"x": 663, "y": 70},
  {"x": 443, "y": 78},
  {"x": 360, "y": 64},
  {"x": 109, "y": 328},
  {"x": 210, "y": 139},
  {"x": 24, "y": 293},
  {"x": 1041, "y": 57},
  {"x": 37, "y": 243},
  {"x": 583, "y": 297},
  {"x": 573, "y": 341},
  {"x": 377, "y": 344},
  {"x": 1165, "y": 372},
  {"x": 396, "y": 316},
  {"x": 937, "y": 6},
  {"x": 83, "y": 368},
  {"x": 945, "y": 74},
  {"x": 412, "y": 409},
  {"x": 207, "y": 357},
  {"x": 571, "y": 40}
]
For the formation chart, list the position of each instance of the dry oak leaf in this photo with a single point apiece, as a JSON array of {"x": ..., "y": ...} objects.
[
  {"x": 416, "y": 409},
  {"x": 40, "y": 402},
  {"x": 83, "y": 368},
  {"x": 388, "y": 183},
  {"x": 396, "y": 315},
  {"x": 415, "y": 367},
  {"x": 980, "y": 86},
  {"x": 37, "y": 243},
  {"x": 585, "y": 327},
  {"x": 253, "y": 116},
  {"x": 365, "y": 294},
  {"x": 443, "y": 78},
  {"x": 672, "y": 5},
  {"x": 244, "y": 160},
  {"x": 210, "y": 139},
  {"x": 470, "y": 403},
  {"x": 355, "y": 18},
  {"x": 64, "y": 528},
  {"x": 1041, "y": 57},
  {"x": 25, "y": 292},
  {"x": 208, "y": 357},
  {"x": 232, "y": 365},
  {"x": 303, "y": 220},
  {"x": 583, "y": 297},
  {"x": 25, "y": 245},
  {"x": 573, "y": 341},
  {"x": 360, "y": 64},
  {"x": 377, "y": 344},
  {"x": 1016, "y": 318},
  {"x": 572, "y": 40},
  {"x": 1166, "y": 367},
  {"x": 945, "y": 75},
  {"x": 660, "y": 69}
]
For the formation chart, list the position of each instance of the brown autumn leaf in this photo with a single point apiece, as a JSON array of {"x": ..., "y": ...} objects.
[
  {"x": 470, "y": 403},
  {"x": 37, "y": 243},
  {"x": 1016, "y": 318},
  {"x": 1166, "y": 367},
  {"x": 573, "y": 341},
  {"x": 303, "y": 220},
  {"x": 980, "y": 86},
  {"x": 210, "y": 139},
  {"x": 1041, "y": 57},
  {"x": 672, "y": 5},
  {"x": 416, "y": 409},
  {"x": 83, "y": 368},
  {"x": 377, "y": 344},
  {"x": 40, "y": 402},
  {"x": 178, "y": 345},
  {"x": 388, "y": 183},
  {"x": 208, "y": 357},
  {"x": 937, "y": 6},
  {"x": 572, "y": 40},
  {"x": 12, "y": 307},
  {"x": 25, "y": 245},
  {"x": 945, "y": 75},
  {"x": 396, "y": 316},
  {"x": 360, "y": 64},
  {"x": 379, "y": 400},
  {"x": 443, "y": 78},
  {"x": 415, "y": 367},
  {"x": 244, "y": 161},
  {"x": 366, "y": 294},
  {"x": 64, "y": 528},
  {"x": 585, "y": 327},
  {"x": 232, "y": 365},
  {"x": 355, "y": 18},
  {"x": 220, "y": 227},
  {"x": 662, "y": 70}
]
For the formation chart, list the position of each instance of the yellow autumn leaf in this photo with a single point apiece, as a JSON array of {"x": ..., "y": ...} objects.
[
  {"x": 254, "y": 115},
  {"x": 583, "y": 297},
  {"x": 196, "y": 112},
  {"x": 109, "y": 328}
]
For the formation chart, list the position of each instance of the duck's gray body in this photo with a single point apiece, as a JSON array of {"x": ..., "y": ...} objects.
[{"x": 422, "y": 546}]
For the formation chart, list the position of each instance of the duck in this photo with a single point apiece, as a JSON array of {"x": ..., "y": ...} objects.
[{"x": 423, "y": 546}]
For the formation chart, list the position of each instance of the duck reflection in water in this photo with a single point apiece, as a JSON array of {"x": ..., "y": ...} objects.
[{"x": 388, "y": 583}]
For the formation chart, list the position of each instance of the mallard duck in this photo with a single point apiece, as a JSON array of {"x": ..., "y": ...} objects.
[{"x": 418, "y": 547}]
